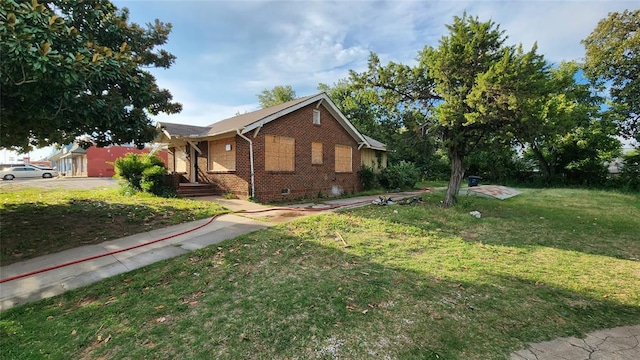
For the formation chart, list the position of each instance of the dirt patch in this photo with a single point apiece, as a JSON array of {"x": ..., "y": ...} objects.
[
  {"x": 280, "y": 216},
  {"x": 25, "y": 236}
]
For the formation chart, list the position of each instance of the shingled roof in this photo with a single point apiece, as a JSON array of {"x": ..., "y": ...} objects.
[{"x": 250, "y": 121}]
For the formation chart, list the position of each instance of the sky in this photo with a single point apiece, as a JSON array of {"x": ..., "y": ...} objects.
[{"x": 229, "y": 51}]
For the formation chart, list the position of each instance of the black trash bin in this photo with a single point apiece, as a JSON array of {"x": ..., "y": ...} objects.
[{"x": 474, "y": 181}]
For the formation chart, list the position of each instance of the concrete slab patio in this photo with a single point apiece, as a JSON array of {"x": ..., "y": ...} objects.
[{"x": 621, "y": 343}]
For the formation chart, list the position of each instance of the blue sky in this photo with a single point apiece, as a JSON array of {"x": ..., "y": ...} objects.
[{"x": 229, "y": 51}]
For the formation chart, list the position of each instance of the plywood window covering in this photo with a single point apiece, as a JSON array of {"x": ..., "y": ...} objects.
[
  {"x": 180, "y": 158},
  {"x": 316, "y": 153},
  {"x": 279, "y": 153},
  {"x": 222, "y": 155},
  {"x": 343, "y": 158}
]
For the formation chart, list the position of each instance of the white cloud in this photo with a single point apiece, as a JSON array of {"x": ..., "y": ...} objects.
[
  {"x": 198, "y": 110},
  {"x": 228, "y": 51},
  {"x": 556, "y": 26}
]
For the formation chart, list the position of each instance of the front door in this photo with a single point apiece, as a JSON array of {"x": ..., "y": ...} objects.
[{"x": 194, "y": 165}]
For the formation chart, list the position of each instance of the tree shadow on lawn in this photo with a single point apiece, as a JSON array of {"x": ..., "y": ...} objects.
[
  {"x": 32, "y": 229},
  {"x": 277, "y": 294}
]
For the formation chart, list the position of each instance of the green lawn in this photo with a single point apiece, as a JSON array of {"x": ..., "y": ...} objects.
[
  {"x": 412, "y": 282},
  {"x": 39, "y": 221}
]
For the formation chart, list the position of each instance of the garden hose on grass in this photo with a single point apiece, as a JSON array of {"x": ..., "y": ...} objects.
[{"x": 93, "y": 257}]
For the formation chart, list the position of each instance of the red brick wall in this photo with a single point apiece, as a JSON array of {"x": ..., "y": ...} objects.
[
  {"x": 99, "y": 160},
  {"x": 307, "y": 180},
  {"x": 237, "y": 182}
]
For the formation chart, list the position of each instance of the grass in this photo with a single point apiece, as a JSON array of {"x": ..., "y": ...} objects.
[
  {"x": 39, "y": 221},
  {"x": 412, "y": 282}
]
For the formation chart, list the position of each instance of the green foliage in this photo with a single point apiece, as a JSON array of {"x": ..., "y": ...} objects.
[
  {"x": 582, "y": 153},
  {"x": 154, "y": 180},
  {"x": 403, "y": 175},
  {"x": 630, "y": 175},
  {"x": 278, "y": 95},
  {"x": 479, "y": 100},
  {"x": 499, "y": 164},
  {"x": 72, "y": 68},
  {"x": 612, "y": 56},
  {"x": 143, "y": 172},
  {"x": 441, "y": 89},
  {"x": 229, "y": 195},
  {"x": 368, "y": 178}
]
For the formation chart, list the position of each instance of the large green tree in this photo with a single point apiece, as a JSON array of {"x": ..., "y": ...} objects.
[
  {"x": 613, "y": 56},
  {"x": 443, "y": 88},
  {"x": 72, "y": 68},
  {"x": 278, "y": 95},
  {"x": 462, "y": 58}
]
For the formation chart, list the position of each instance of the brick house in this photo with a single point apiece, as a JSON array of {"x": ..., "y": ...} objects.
[{"x": 302, "y": 148}]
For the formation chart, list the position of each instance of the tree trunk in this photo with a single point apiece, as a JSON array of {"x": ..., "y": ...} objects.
[
  {"x": 457, "y": 173},
  {"x": 544, "y": 164}
]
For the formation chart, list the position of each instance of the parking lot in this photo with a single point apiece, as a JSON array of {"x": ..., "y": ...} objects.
[{"x": 77, "y": 183}]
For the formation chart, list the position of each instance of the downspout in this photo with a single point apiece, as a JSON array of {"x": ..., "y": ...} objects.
[{"x": 253, "y": 181}]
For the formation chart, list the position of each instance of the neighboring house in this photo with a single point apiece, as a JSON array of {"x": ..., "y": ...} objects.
[
  {"x": 301, "y": 148},
  {"x": 615, "y": 166},
  {"x": 73, "y": 160}
]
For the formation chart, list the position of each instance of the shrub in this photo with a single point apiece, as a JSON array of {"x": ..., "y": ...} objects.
[
  {"x": 154, "y": 180},
  {"x": 403, "y": 175},
  {"x": 143, "y": 172},
  {"x": 630, "y": 175},
  {"x": 368, "y": 178}
]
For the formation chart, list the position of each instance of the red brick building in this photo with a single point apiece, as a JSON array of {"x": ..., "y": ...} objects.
[
  {"x": 73, "y": 160},
  {"x": 301, "y": 148}
]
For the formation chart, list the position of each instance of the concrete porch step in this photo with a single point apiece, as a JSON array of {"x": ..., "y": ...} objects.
[{"x": 196, "y": 189}]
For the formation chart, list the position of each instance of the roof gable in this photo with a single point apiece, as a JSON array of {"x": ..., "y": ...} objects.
[
  {"x": 250, "y": 121},
  {"x": 241, "y": 121}
]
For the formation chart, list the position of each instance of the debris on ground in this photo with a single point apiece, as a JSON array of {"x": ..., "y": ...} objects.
[
  {"x": 413, "y": 201},
  {"x": 476, "y": 214},
  {"x": 382, "y": 200},
  {"x": 492, "y": 191}
]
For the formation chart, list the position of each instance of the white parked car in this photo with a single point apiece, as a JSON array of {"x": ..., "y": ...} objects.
[{"x": 26, "y": 171}]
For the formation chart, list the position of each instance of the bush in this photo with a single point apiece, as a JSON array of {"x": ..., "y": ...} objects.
[
  {"x": 143, "y": 172},
  {"x": 154, "y": 180},
  {"x": 403, "y": 175},
  {"x": 368, "y": 178},
  {"x": 630, "y": 175}
]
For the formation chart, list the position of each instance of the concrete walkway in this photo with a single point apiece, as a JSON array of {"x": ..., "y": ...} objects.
[
  {"x": 622, "y": 343},
  {"x": 54, "y": 282}
]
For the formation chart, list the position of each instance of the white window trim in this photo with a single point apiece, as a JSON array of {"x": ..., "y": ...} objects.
[{"x": 316, "y": 117}]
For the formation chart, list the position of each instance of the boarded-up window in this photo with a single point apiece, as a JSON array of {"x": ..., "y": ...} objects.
[
  {"x": 343, "y": 158},
  {"x": 279, "y": 153},
  {"x": 222, "y": 155},
  {"x": 180, "y": 161},
  {"x": 316, "y": 153}
]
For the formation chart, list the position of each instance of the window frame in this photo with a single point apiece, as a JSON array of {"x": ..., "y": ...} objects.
[
  {"x": 339, "y": 157},
  {"x": 317, "y": 158},
  {"x": 219, "y": 158},
  {"x": 284, "y": 149}
]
